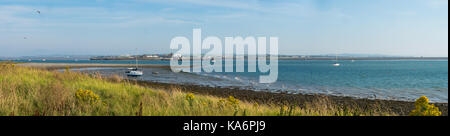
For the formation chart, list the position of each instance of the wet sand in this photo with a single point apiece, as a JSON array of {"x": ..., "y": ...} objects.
[{"x": 398, "y": 107}]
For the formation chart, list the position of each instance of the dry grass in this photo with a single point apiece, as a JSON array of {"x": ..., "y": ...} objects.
[{"x": 28, "y": 91}]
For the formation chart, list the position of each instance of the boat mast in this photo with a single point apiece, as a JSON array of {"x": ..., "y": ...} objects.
[
  {"x": 136, "y": 58},
  {"x": 336, "y": 57}
]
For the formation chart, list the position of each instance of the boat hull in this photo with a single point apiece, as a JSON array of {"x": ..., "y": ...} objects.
[{"x": 135, "y": 73}]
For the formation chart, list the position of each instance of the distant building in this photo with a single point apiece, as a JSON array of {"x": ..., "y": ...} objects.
[{"x": 152, "y": 56}]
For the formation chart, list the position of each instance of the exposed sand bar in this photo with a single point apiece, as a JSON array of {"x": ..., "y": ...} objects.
[{"x": 52, "y": 66}]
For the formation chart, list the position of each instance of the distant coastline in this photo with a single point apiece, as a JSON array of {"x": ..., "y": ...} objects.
[
  {"x": 167, "y": 57},
  {"x": 296, "y": 58}
]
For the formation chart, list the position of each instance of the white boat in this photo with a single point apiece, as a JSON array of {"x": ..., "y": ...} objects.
[
  {"x": 336, "y": 64},
  {"x": 135, "y": 71}
]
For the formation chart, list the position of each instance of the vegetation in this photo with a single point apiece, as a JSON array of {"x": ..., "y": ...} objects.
[
  {"x": 29, "y": 91},
  {"x": 423, "y": 108}
]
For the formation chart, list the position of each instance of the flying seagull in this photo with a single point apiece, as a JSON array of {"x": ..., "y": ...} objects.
[{"x": 37, "y": 11}]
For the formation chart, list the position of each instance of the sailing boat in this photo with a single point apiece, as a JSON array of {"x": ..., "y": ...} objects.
[
  {"x": 135, "y": 71},
  {"x": 336, "y": 64}
]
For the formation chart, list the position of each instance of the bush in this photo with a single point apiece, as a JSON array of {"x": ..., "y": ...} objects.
[
  {"x": 423, "y": 108},
  {"x": 234, "y": 103}
]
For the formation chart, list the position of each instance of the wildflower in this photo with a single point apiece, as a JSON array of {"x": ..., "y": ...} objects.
[
  {"x": 221, "y": 103},
  {"x": 423, "y": 108},
  {"x": 190, "y": 98},
  {"x": 234, "y": 103},
  {"x": 87, "y": 96}
]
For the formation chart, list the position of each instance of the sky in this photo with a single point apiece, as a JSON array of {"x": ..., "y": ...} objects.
[{"x": 304, "y": 27}]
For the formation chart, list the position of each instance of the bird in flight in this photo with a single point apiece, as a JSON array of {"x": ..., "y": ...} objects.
[{"x": 37, "y": 11}]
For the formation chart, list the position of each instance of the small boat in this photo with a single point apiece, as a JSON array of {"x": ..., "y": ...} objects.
[
  {"x": 336, "y": 64},
  {"x": 135, "y": 72}
]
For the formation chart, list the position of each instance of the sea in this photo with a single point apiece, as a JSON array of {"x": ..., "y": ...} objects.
[{"x": 403, "y": 80}]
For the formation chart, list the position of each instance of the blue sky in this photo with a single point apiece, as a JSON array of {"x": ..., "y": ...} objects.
[{"x": 114, "y": 27}]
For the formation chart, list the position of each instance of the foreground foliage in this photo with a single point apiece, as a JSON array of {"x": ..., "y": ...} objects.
[{"x": 423, "y": 108}]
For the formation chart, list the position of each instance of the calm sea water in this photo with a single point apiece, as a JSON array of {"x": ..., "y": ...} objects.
[{"x": 394, "y": 80}]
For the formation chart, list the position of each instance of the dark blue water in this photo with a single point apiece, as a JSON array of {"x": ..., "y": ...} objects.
[{"x": 397, "y": 80}]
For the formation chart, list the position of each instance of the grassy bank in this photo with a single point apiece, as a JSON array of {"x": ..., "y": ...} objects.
[{"x": 29, "y": 91}]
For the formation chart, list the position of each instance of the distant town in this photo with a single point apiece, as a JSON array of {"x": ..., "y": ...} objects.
[{"x": 133, "y": 57}]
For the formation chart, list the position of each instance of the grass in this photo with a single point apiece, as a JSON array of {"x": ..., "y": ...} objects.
[{"x": 36, "y": 92}]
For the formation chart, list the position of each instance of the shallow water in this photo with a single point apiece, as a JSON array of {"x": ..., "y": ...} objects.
[{"x": 394, "y": 80}]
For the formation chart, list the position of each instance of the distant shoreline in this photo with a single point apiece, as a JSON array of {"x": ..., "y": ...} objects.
[
  {"x": 304, "y": 58},
  {"x": 281, "y": 57}
]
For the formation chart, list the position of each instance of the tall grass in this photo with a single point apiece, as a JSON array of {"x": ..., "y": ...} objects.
[{"x": 36, "y": 92}]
